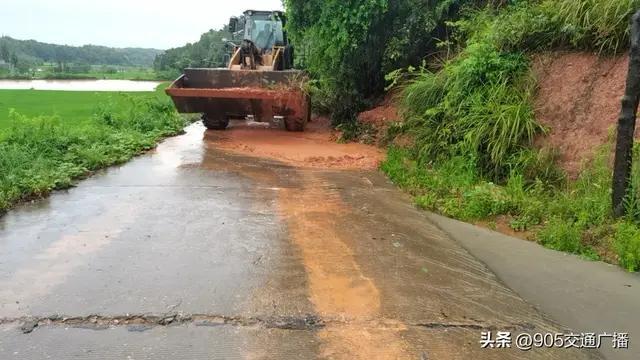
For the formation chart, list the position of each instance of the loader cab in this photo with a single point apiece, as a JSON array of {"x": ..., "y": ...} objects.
[
  {"x": 264, "y": 28},
  {"x": 260, "y": 42}
]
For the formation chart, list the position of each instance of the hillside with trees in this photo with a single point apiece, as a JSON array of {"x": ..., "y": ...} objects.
[
  {"x": 22, "y": 56},
  {"x": 209, "y": 51}
]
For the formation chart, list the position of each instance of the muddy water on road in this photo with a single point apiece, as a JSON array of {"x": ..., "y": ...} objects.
[
  {"x": 284, "y": 261},
  {"x": 386, "y": 283},
  {"x": 317, "y": 147},
  {"x": 338, "y": 287}
]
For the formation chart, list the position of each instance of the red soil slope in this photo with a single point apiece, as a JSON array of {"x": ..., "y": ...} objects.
[
  {"x": 381, "y": 115},
  {"x": 579, "y": 100}
]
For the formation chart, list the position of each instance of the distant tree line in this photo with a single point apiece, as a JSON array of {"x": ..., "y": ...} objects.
[
  {"x": 24, "y": 55},
  {"x": 209, "y": 51}
]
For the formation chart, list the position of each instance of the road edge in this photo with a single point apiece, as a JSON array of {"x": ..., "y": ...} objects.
[{"x": 577, "y": 293}]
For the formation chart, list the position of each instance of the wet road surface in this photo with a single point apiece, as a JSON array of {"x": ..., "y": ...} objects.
[{"x": 192, "y": 253}]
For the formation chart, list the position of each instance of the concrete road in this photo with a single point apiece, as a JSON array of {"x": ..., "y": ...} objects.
[{"x": 191, "y": 253}]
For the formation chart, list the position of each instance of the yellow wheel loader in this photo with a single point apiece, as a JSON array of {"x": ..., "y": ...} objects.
[{"x": 259, "y": 81}]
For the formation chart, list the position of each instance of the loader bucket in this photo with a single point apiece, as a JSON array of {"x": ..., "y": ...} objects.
[{"x": 224, "y": 94}]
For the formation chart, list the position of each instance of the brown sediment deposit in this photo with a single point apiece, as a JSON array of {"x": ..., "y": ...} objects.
[
  {"x": 338, "y": 288},
  {"x": 348, "y": 301},
  {"x": 382, "y": 114},
  {"x": 316, "y": 147},
  {"x": 380, "y": 117}
]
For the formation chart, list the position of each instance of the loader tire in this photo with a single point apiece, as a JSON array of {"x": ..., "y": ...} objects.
[
  {"x": 213, "y": 122},
  {"x": 294, "y": 124}
]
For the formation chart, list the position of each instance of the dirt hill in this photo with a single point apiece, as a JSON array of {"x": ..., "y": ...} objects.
[{"x": 579, "y": 100}]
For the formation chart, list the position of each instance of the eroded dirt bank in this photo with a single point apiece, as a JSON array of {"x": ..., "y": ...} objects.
[{"x": 579, "y": 101}]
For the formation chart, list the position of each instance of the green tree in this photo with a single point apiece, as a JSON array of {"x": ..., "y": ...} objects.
[
  {"x": 344, "y": 41},
  {"x": 209, "y": 51},
  {"x": 38, "y": 52},
  {"x": 351, "y": 44},
  {"x": 14, "y": 60},
  {"x": 5, "y": 53}
]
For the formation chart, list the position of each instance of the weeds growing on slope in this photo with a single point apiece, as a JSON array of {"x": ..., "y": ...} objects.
[
  {"x": 472, "y": 123},
  {"x": 603, "y": 25},
  {"x": 597, "y": 25},
  {"x": 478, "y": 106},
  {"x": 574, "y": 217}
]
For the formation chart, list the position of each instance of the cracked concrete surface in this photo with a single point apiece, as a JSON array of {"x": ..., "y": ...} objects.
[
  {"x": 99, "y": 322},
  {"x": 146, "y": 321},
  {"x": 190, "y": 252}
]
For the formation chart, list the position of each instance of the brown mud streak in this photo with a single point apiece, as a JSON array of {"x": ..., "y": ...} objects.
[{"x": 337, "y": 286}]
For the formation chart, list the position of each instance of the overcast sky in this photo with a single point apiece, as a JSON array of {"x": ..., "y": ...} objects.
[{"x": 120, "y": 23}]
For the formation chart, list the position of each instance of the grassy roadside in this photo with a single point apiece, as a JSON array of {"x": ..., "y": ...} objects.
[
  {"x": 574, "y": 217},
  {"x": 48, "y": 139},
  {"x": 472, "y": 127}
]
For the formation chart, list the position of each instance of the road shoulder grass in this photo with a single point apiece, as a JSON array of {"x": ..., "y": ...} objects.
[
  {"x": 574, "y": 217},
  {"x": 50, "y": 139}
]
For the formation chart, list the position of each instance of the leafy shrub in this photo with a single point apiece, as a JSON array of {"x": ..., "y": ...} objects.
[
  {"x": 479, "y": 105},
  {"x": 350, "y": 45},
  {"x": 627, "y": 245},
  {"x": 561, "y": 235}
]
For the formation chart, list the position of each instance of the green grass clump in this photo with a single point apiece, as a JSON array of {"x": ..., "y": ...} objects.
[
  {"x": 451, "y": 188},
  {"x": 44, "y": 153},
  {"x": 478, "y": 106},
  {"x": 597, "y": 25},
  {"x": 561, "y": 235},
  {"x": 627, "y": 245},
  {"x": 603, "y": 25}
]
